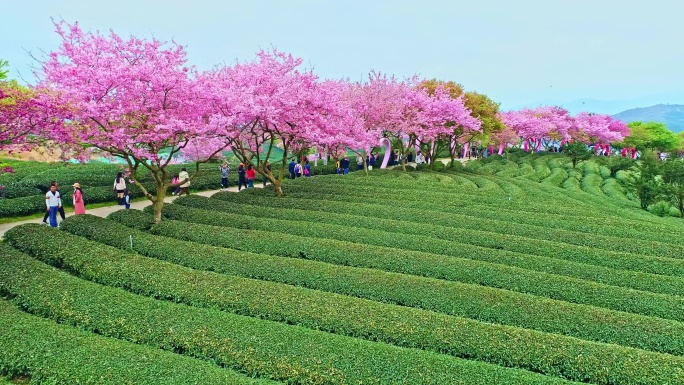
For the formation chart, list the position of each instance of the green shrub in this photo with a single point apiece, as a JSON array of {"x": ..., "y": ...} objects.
[
  {"x": 253, "y": 346},
  {"x": 429, "y": 265},
  {"x": 661, "y": 209},
  {"x": 462, "y": 240},
  {"x": 51, "y": 353},
  {"x": 471, "y": 301}
]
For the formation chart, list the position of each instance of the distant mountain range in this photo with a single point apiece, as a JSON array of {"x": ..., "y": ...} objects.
[{"x": 670, "y": 114}]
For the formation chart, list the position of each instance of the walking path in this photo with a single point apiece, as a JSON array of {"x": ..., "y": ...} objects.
[{"x": 106, "y": 210}]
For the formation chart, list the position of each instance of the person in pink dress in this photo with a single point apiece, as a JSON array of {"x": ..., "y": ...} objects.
[{"x": 79, "y": 205}]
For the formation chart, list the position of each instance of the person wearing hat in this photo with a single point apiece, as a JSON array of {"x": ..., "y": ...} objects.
[{"x": 79, "y": 204}]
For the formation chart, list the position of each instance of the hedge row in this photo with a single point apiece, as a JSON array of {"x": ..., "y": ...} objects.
[
  {"x": 419, "y": 243},
  {"x": 425, "y": 264},
  {"x": 590, "y": 204},
  {"x": 251, "y": 345},
  {"x": 540, "y": 352},
  {"x": 50, "y": 353},
  {"x": 503, "y": 211},
  {"x": 607, "y": 225},
  {"x": 556, "y": 204},
  {"x": 26, "y": 196},
  {"x": 461, "y": 229},
  {"x": 613, "y": 206},
  {"x": 470, "y": 301}
]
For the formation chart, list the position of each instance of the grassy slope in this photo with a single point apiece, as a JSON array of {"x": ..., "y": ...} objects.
[{"x": 532, "y": 217}]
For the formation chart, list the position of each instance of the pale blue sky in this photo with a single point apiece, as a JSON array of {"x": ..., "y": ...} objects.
[{"x": 522, "y": 52}]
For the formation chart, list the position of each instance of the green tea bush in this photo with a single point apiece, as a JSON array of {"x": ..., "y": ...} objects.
[
  {"x": 253, "y": 346},
  {"x": 471, "y": 301}
]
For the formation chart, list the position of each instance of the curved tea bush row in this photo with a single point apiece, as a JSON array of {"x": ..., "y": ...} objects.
[
  {"x": 558, "y": 175},
  {"x": 509, "y": 189},
  {"x": 254, "y": 346},
  {"x": 608, "y": 226},
  {"x": 471, "y": 301},
  {"x": 556, "y": 203},
  {"x": 563, "y": 261},
  {"x": 359, "y": 194},
  {"x": 425, "y": 264},
  {"x": 52, "y": 353},
  {"x": 425, "y": 244},
  {"x": 503, "y": 345},
  {"x": 541, "y": 171}
]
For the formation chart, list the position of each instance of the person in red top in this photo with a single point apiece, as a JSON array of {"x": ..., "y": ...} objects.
[{"x": 251, "y": 175}]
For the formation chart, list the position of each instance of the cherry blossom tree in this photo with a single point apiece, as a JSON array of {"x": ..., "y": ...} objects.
[
  {"x": 26, "y": 114},
  {"x": 270, "y": 102},
  {"x": 425, "y": 118},
  {"x": 132, "y": 98}
]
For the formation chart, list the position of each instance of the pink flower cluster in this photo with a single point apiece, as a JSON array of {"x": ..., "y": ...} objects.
[
  {"x": 555, "y": 123},
  {"x": 138, "y": 99}
]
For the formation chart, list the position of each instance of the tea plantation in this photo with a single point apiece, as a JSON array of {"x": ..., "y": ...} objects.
[{"x": 507, "y": 271}]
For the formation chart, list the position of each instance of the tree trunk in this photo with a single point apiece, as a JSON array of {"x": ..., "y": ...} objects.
[
  {"x": 158, "y": 203},
  {"x": 278, "y": 188}
]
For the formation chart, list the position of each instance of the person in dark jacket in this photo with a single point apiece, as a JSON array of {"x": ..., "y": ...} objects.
[
  {"x": 292, "y": 168},
  {"x": 242, "y": 178},
  {"x": 344, "y": 165},
  {"x": 307, "y": 169},
  {"x": 371, "y": 162}
]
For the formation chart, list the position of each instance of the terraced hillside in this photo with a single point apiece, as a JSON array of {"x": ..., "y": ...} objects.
[{"x": 514, "y": 272}]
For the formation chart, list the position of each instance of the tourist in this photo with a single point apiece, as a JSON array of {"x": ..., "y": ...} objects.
[
  {"x": 242, "y": 180},
  {"x": 268, "y": 167},
  {"x": 60, "y": 210},
  {"x": 307, "y": 169},
  {"x": 344, "y": 165},
  {"x": 359, "y": 163},
  {"x": 377, "y": 160},
  {"x": 292, "y": 168},
  {"x": 298, "y": 170},
  {"x": 175, "y": 181},
  {"x": 185, "y": 179},
  {"x": 127, "y": 199},
  {"x": 371, "y": 162},
  {"x": 79, "y": 204},
  {"x": 225, "y": 170},
  {"x": 393, "y": 158},
  {"x": 119, "y": 187},
  {"x": 409, "y": 157},
  {"x": 53, "y": 201},
  {"x": 251, "y": 175},
  {"x": 338, "y": 166}
]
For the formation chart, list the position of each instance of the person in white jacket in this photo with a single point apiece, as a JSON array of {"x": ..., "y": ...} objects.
[
  {"x": 120, "y": 187},
  {"x": 185, "y": 187},
  {"x": 53, "y": 201}
]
